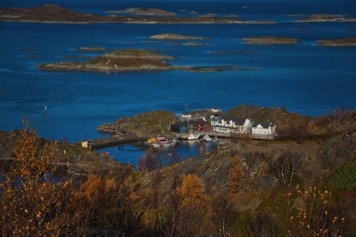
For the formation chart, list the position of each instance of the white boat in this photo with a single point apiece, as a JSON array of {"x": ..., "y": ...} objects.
[
  {"x": 207, "y": 138},
  {"x": 193, "y": 136}
]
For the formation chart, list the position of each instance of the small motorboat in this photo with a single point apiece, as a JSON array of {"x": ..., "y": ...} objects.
[
  {"x": 193, "y": 136},
  {"x": 160, "y": 141},
  {"x": 207, "y": 138}
]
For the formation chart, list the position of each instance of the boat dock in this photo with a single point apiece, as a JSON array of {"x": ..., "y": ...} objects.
[
  {"x": 111, "y": 141},
  {"x": 119, "y": 140}
]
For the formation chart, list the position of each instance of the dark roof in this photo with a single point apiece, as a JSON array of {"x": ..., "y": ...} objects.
[
  {"x": 197, "y": 121},
  {"x": 238, "y": 121},
  {"x": 264, "y": 124},
  {"x": 183, "y": 123}
]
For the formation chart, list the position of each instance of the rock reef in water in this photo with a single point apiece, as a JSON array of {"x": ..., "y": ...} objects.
[
  {"x": 347, "y": 42},
  {"x": 92, "y": 49},
  {"x": 231, "y": 52},
  {"x": 175, "y": 37},
  {"x": 216, "y": 69},
  {"x": 270, "y": 40}
]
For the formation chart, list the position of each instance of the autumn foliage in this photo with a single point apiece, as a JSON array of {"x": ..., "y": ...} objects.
[
  {"x": 32, "y": 200},
  {"x": 37, "y": 200}
]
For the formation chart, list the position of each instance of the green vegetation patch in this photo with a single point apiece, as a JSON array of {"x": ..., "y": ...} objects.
[{"x": 344, "y": 178}]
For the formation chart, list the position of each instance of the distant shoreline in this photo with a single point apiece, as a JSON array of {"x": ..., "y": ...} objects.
[{"x": 54, "y": 14}]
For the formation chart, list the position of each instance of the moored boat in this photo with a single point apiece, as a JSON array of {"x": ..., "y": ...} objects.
[
  {"x": 160, "y": 141},
  {"x": 193, "y": 136},
  {"x": 207, "y": 138}
]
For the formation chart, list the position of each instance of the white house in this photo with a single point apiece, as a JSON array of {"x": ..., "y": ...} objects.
[
  {"x": 263, "y": 130},
  {"x": 230, "y": 124}
]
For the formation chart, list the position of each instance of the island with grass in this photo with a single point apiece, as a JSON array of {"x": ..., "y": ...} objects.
[
  {"x": 270, "y": 40},
  {"x": 176, "y": 37},
  {"x": 127, "y": 60},
  {"x": 133, "y": 60},
  {"x": 347, "y": 42},
  {"x": 143, "y": 12},
  {"x": 326, "y": 18}
]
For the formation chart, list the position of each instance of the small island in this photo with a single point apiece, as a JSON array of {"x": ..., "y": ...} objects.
[
  {"x": 133, "y": 60},
  {"x": 50, "y": 13},
  {"x": 128, "y": 60},
  {"x": 175, "y": 37},
  {"x": 326, "y": 18},
  {"x": 143, "y": 12},
  {"x": 194, "y": 44},
  {"x": 347, "y": 42},
  {"x": 270, "y": 40}
]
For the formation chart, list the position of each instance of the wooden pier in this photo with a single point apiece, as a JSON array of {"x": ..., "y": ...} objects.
[{"x": 113, "y": 141}]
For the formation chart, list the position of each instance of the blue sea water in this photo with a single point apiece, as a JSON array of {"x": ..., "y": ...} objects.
[{"x": 305, "y": 78}]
